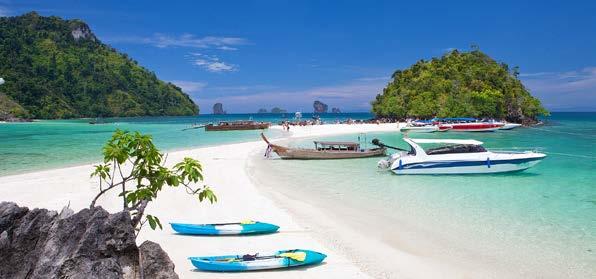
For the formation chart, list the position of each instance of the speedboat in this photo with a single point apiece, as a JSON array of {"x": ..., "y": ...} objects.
[
  {"x": 424, "y": 126},
  {"x": 455, "y": 156},
  {"x": 419, "y": 129},
  {"x": 509, "y": 126},
  {"x": 468, "y": 124}
]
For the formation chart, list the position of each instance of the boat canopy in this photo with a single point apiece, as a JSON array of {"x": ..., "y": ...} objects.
[
  {"x": 466, "y": 119},
  {"x": 342, "y": 143},
  {"x": 451, "y": 141}
]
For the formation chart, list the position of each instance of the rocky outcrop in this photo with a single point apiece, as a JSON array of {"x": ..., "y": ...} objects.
[
  {"x": 320, "y": 107},
  {"x": 155, "y": 262},
  {"x": 91, "y": 243},
  {"x": 82, "y": 31},
  {"x": 262, "y": 110},
  {"x": 335, "y": 110},
  {"x": 278, "y": 110},
  {"x": 218, "y": 109}
]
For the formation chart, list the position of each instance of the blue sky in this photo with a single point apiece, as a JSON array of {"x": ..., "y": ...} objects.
[{"x": 253, "y": 54}]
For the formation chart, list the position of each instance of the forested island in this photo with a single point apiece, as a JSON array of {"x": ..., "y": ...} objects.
[
  {"x": 55, "y": 68},
  {"x": 458, "y": 84}
]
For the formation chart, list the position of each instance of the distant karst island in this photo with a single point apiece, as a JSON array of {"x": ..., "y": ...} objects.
[
  {"x": 458, "y": 84},
  {"x": 54, "y": 68},
  {"x": 218, "y": 109},
  {"x": 319, "y": 107},
  {"x": 273, "y": 110}
]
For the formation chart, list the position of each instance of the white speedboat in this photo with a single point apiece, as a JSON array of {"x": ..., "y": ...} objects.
[
  {"x": 509, "y": 126},
  {"x": 454, "y": 156},
  {"x": 419, "y": 129}
]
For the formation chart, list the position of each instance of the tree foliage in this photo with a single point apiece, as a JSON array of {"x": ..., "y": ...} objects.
[
  {"x": 57, "y": 68},
  {"x": 135, "y": 167},
  {"x": 468, "y": 84}
]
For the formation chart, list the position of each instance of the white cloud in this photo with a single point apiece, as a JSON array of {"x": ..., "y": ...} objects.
[
  {"x": 355, "y": 95},
  {"x": 185, "y": 40},
  {"x": 570, "y": 81},
  {"x": 212, "y": 63},
  {"x": 571, "y": 90},
  {"x": 190, "y": 86},
  {"x": 4, "y": 12},
  {"x": 227, "y": 48}
]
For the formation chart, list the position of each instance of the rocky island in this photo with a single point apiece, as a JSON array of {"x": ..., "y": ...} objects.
[
  {"x": 458, "y": 84},
  {"x": 54, "y": 68},
  {"x": 319, "y": 107},
  {"x": 218, "y": 109},
  {"x": 278, "y": 110}
]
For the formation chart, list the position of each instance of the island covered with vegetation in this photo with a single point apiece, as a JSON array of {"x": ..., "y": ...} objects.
[
  {"x": 458, "y": 84},
  {"x": 55, "y": 68}
]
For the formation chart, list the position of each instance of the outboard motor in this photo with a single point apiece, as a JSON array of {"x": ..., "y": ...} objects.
[
  {"x": 387, "y": 162},
  {"x": 383, "y": 164}
]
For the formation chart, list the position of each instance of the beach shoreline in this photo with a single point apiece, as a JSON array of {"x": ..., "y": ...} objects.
[
  {"x": 238, "y": 199},
  {"x": 234, "y": 172}
]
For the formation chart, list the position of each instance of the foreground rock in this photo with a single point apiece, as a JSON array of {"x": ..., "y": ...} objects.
[{"x": 40, "y": 243}]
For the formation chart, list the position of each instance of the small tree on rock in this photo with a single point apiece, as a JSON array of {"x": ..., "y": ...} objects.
[{"x": 135, "y": 167}]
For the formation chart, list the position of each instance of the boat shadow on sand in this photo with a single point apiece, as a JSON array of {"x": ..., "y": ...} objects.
[{"x": 292, "y": 268}]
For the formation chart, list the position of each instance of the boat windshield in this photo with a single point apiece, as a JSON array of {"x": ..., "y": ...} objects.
[{"x": 456, "y": 148}]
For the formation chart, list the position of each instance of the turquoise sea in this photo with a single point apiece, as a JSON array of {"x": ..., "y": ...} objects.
[
  {"x": 57, "y": 143},
  {"x": 540, "y": 223}
]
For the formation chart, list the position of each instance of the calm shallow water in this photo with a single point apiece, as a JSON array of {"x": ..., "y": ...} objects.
[
  {"x": 540, "y": 222},
  {"x": 57, "y": 143}
]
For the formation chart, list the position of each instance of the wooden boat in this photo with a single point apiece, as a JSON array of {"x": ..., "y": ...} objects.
[
  {"x": 237, "y": 125},
  {"x": 325, "y": 150},
  {"x": 258, "y": 261}
]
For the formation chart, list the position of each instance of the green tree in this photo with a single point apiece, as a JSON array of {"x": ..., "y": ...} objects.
[
  {"x": 458, "y": 84},
  {"x": 57, "y": 68},
  {"x": 134, "y": 167}
]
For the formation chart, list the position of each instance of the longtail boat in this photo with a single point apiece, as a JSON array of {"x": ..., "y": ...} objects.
[
  {"x": 237, "y": 125},
  {"x": 325, "y": 150}
]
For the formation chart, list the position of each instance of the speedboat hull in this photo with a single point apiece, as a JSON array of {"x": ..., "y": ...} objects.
[
  {"x": 419, "y": 129},
  {"x": 466, "y": 167},
  {"x": 509, "y": 126},
  {"x": 456, "y": 157},
  {"x": 475, "y": 127}
]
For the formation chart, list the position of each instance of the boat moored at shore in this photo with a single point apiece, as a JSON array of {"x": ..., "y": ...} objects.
[
  {"x": 468, "y": 124},
  {"x": 237, "y": 125},
  {"x": 325, "y": 150},
  {"x": 509, "y": 126},
  {"x": 455, "y": 156}
]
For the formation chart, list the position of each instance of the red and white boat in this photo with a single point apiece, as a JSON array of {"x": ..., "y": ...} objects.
[
  {"x": 468, "y": 124},
  {"x": 476, "y": 127}
]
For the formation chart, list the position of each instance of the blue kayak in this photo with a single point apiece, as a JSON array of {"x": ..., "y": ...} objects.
[
  {"x": 279, "y": 259},
  {"x": 245, "y": 227}
]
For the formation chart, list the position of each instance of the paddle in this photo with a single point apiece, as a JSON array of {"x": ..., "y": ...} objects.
[{"x": 377, "y": 142}]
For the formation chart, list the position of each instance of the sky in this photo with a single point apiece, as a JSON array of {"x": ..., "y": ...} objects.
[{"x": 264, "y": 54}]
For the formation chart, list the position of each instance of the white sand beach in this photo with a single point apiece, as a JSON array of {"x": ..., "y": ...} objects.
[{"x": 226, "y": 169}]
